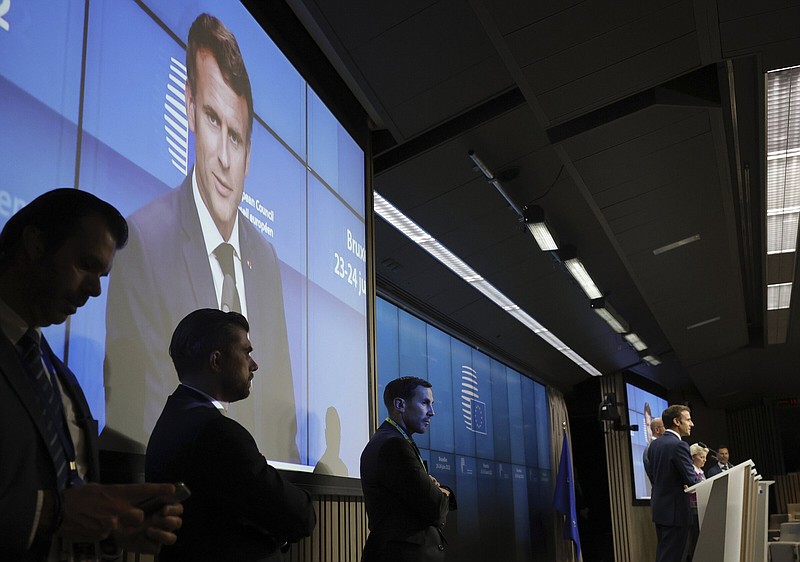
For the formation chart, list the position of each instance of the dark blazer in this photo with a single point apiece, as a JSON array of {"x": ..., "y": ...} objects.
[
  {"x": 671, "y": 467},
  {"x": 241, "y": 509},
  {"x": 714, "y": 470},
  {"x": 406, "y": 510},
  {"x": 162, "y": 275},
  {"x": 25, "y": 463}
]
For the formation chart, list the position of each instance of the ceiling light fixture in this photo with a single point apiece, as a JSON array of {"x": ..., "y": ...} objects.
[
  {"x": 612, "y": 318},
  {"x": 703, "y": 323},
  {"x": 637, "y": 343},
  {"x": 782, "y": 195},
  {"x": 650, "y": 358},
  {"x": 568, "y": 255},
  {"x": 677, "y": 244},
  {"x": 536, "y": 223},
  {"x": 409, "y": 228}
]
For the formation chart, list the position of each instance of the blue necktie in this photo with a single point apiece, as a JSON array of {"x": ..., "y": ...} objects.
[{"x": 49, "y": 402}]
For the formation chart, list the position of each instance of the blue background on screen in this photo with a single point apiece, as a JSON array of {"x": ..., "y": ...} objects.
[
  {"x": 501, "y": 478},
  {"x": 41, "y": 52}
]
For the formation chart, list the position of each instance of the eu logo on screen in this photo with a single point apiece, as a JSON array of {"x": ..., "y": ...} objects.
[
  {"x": 176, "y": 124},
  {"x": 473, "y": 409}
]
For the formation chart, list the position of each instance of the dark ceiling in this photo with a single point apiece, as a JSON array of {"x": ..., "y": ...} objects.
[{"x": 632, "y": 124}]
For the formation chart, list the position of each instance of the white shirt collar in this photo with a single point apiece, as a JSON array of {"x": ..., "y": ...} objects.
[
  {"x": 221, "y": 406},
  {"x": 672, "y": 431},
  {"x": 211, "y": 235}
]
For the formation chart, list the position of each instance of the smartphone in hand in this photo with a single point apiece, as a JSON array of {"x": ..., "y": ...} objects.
[{"x": 151, "y": 505}]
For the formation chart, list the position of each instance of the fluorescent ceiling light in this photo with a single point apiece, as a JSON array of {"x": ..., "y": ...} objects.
[
  {"x": 542, "y": 235},
  {"x": 537, "y": 226},
  {"x": 612, "y": 318},
  {"x": 703, "y": 323},
  {"x": 635, "y": 341},
  {"x": 677, "y": 244},
  {"x": 779, "y": 296},
  {"x": 651, "y": 359},
  {"x": 397, "y": 219},
  {"x": 579, "y": 273}
]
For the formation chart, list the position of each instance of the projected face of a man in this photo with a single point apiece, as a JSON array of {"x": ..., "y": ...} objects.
[{"x": 219, "y": 119}]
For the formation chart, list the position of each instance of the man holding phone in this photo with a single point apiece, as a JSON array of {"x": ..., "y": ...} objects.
[
  {"x": 241, "y": 508},
  {"x": 53, "y": 253}
]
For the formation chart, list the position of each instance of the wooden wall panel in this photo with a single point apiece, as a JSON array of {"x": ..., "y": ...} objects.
[
  {"x": 634, "y": 532},
  {"x": 338, "y": 537}
]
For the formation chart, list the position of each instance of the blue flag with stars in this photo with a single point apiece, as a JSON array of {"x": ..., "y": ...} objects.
[{"x": 564, "y": 497}]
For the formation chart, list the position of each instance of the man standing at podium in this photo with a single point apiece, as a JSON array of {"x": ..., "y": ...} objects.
[
  {"x": 671, "y": 471},
  {"x": 723, "y": 461}
]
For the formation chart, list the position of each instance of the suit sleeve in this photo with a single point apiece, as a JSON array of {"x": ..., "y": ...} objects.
[
  {"x": 682, "y": 462},
  {"x": 243, "y": 484},
  {"x": 400, "y": 472}
]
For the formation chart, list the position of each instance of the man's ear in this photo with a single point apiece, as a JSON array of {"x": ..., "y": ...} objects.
[
  {"x": 190, "y": 107},
  {"x": 215, "y": 361},
  {"x": 399, "y": 404},
  {"x": 33, "y": 242}
]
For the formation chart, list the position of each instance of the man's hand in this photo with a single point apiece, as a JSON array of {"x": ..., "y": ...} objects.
[
  {"x": 155, "y": 532},
  {"x": 92, "y": 512},
  {"x": 445, "y": 491}
]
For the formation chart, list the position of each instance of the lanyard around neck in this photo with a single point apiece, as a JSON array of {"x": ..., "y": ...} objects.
[{"x": 405, "y": 435}]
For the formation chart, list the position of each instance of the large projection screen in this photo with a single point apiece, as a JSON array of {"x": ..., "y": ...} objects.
[
  {"x": 94, "y": 96},
  {"x": 643, "y": 407}
]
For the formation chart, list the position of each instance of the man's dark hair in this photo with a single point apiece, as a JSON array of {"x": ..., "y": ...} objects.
[
  {"x": 58, "y": 215},
  {"x": 404, "y": 388},
  {"x": 673, "y": 413},
  {"x": 207, "y": 32},
  {"x": 201, "y": 333}
]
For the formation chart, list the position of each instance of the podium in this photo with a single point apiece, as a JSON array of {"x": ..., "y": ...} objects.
[{"x": 733, "y": 512}]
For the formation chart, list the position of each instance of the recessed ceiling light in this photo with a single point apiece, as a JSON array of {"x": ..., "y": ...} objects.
[
  {"x": 703, "y": 323},
  {"x": 677, "y": 244}
]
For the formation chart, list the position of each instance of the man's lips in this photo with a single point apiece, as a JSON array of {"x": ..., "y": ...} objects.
[{"x": 222, "y": 186}]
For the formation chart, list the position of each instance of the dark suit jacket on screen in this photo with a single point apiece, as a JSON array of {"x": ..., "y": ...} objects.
[
  {"x": 241, "y": 509},
  {"x": 406, "y": 510},
  {"x": 671, "y": 467},
  {"x": 162, "y": 275},
  {"x": 25, "y": 463}
]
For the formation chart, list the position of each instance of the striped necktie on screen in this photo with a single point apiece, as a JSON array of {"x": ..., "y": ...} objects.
[
  {"x": 230, "y": 295},
  {"x": 49, "y": 402}
]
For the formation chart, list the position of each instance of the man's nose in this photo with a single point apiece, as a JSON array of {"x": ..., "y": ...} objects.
[
  {"x": 224, "y": 150},
  {"x": 93, "y": 286}
]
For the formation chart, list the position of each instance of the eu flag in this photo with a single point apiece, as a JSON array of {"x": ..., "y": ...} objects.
[{"x": 564, "y": 497}]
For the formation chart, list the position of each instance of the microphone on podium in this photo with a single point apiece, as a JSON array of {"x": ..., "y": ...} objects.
[{"x": 710, "y": 450}]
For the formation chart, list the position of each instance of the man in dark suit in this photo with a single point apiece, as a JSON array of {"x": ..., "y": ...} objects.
[
  {"x": 406, "y": 507},
  {"x": 53, "y": 253},
  {"x": 241, "y": 509},
  {"x": 723, "y": 461},
  {"x": 656, "y": 430},
  {"x": 671, "y": 470},
  {"x": 191, "y": 249}
]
